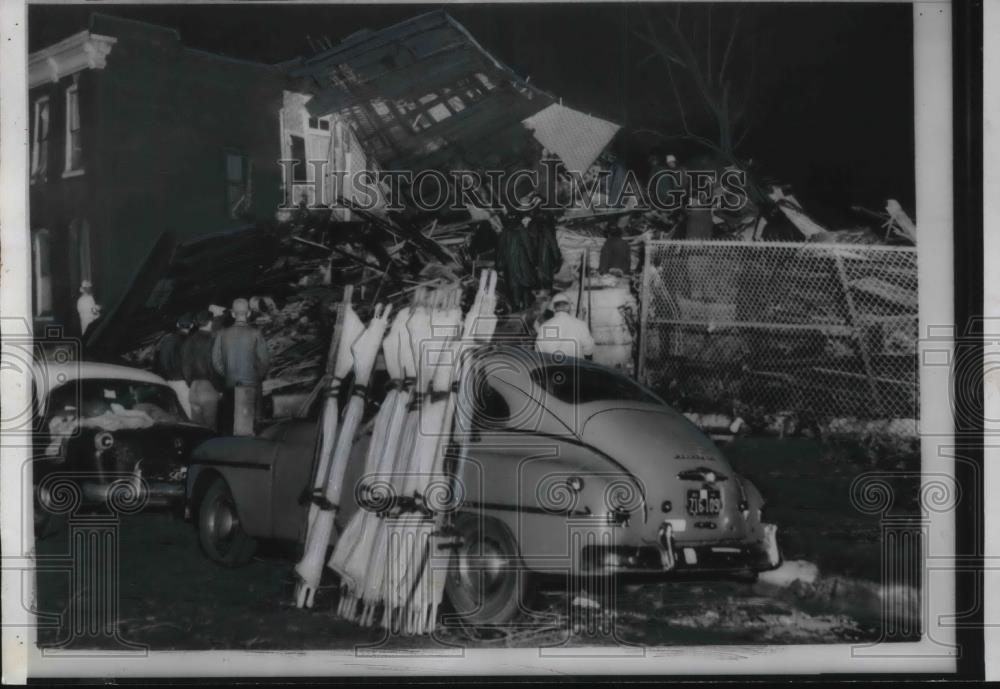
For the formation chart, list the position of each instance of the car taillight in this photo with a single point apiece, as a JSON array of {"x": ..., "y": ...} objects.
[{"x": 619, "y": 517}]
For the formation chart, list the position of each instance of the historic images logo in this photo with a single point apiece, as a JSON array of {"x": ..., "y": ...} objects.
[{"x": 523, "y": 190}]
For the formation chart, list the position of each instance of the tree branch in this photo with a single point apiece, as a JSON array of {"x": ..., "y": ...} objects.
[{"x": 729, "y": 48}]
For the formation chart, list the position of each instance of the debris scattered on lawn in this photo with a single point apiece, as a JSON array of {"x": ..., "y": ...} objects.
[{"x": 791, "y": 571}]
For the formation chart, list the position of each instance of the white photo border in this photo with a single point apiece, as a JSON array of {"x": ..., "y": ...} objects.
[{"x": 936, "y": 653}]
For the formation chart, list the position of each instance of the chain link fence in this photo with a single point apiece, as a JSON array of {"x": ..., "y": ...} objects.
[{"x": 766, "y": 328}]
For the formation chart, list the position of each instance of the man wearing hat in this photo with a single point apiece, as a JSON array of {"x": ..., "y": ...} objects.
[
  {"x": 196, "y": 364},
  {"x": 240, "y": 357},
  {"x": 168, "y": 359},
  {"x": 86, "y": 307},
  {"x": 565, "y": 334}
]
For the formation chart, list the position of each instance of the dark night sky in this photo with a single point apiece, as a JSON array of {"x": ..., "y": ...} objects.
[{"x": 832, "y": 110}]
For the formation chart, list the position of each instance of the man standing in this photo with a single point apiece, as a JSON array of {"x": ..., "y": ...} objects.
[
  {"x": 196, "y": 364},
  {"x": 564, "y": 334},
  {"x": 616, "y": 253},
  {"x": 168, "y": 359},
  {"x": 550, "y": 257},
  {"x": 86, "y": 307},
  {"x": 240, "y": 356},
  {"x": 516, "y": 262}
]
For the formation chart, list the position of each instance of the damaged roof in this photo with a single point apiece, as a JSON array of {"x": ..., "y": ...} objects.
[{"x": 425, "y": 94}]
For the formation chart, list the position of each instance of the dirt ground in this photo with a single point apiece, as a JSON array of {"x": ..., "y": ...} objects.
[{"x": 172, "y": 597}]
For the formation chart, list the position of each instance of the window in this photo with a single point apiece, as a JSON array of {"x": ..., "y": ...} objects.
[
  {"x": 491, "y": 409},
  {"x": 237, "y": 184},
  {"x": 40, "y": 140},
  {"x": 440, "y": 112},
  {"x": 485, "y": 81},
  {"x": 86, "y": 399},
  {"x": 74, "y": 143},
  {"x": 320, "y": 123},
  {"x": 579, "y": 384},
  {"x": 41, "y": 272},
  {"x": 300, "y": 174}
]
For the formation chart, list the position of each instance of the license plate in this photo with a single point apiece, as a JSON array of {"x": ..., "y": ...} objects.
[{"x": 704, "y": 501}]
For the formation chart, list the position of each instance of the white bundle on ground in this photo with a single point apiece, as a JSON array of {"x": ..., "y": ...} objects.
[
  {"x": 389, "y": 557},
  {"x": 352, "y": 554},
  {"x": 310, "y": 568},
  {"x": 396, "y": 456},
  {"x": 433, "y": 340},
  {"x": 347, "y": 331}
]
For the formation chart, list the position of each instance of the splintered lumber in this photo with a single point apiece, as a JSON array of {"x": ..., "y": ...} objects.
[
  {"x": 900, "y": 221},
  {"x": 790, "y": 206}
]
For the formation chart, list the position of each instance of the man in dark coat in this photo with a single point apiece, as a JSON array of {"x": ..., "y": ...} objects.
[
  {"x": 516, "y": 263},
  {"x": 196, "y": 363},
  {"x": 616, "y": 253},
  {"x": 550, "y": 258},
  {"x": 168, "y": 360},
  {"x": 241, "y": 358}
]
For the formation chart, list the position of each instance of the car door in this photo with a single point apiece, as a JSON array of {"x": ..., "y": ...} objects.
[
  {"x": 293, "y": 473},
  {"x": 294, "y": 470}
]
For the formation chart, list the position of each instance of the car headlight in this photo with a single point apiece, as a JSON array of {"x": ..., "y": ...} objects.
[{"x": 104, "y": 441}]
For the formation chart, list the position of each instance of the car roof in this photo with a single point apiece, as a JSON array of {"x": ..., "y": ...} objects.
[
  {"x": 544, "y": 360},
  {"x": 540, "y": 360},
  {"x": 53, "y": 374}
]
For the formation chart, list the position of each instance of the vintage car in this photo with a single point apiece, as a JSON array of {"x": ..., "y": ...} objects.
[
  {"x": 570, "y": 468},
  {"x": 107, "y": 433}
]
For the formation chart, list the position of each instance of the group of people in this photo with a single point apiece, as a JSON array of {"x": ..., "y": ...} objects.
[
  {"x": 205, "y": 361},
  {"x": 528, "y": 256}
]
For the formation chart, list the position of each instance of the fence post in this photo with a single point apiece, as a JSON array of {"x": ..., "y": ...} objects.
[
  {"x": 644, "y": 311},
  {"x": 858, "y": 334}
]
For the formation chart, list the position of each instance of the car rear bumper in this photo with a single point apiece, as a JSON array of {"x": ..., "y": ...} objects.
[{"x": 670, "y": 556}]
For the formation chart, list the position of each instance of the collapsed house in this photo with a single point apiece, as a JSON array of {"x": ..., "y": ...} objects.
[{"x": 418, "y": 96}]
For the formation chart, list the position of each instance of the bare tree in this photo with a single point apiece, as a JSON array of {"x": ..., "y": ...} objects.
[{"x": 714, "y": 64}]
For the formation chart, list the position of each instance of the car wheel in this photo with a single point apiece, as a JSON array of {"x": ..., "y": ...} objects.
[
  {"x": 219, "y": 530},
  {"x": 487, "y": 583}
]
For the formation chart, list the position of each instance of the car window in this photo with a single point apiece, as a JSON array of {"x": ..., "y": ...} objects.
[
  {"x": 491, "y": 409},
  {"x": 576, "y": 384},
  {"x": 93, "y": 397}
]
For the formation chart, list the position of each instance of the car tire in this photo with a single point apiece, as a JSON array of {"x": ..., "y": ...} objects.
[
  {"x": 487, "y": 582},
  {"x": 220, "y": 533}
]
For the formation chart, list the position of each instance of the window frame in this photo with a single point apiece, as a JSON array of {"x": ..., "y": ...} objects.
[
  {"x": 246, "y": 170},
  {"x": 36, "y": 156},
  {"x": 72, "y": 94}
]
